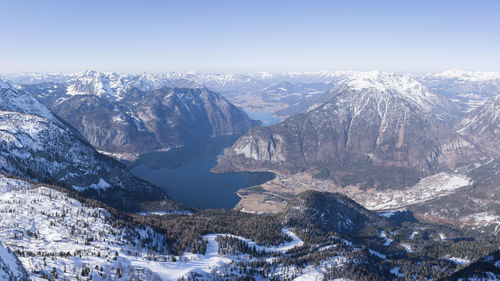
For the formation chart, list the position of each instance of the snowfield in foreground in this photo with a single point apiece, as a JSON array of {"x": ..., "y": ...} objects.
[{"x": 53, "y": 234}]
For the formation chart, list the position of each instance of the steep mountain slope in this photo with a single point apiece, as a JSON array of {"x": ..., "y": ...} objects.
[
  {"x": 375, "y": 133},
  {"x": 482, "y": 126},
  {"x": 135, "y": 114},
  {"x": 13, "y": 99},
  {"x": 36, "y": 146},
  {"x": 10, "y": 266}
]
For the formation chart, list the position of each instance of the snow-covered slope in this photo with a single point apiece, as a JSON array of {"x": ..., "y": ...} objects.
[
  {"x": 10, "y": 266},
  {"x": 403, "y": 85},
  {"x": 35, "y": 145},
  {"x": 40, "y": 222},
  {"x": 13, "y": 99}
]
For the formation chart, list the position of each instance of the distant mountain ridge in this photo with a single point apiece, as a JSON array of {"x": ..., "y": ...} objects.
[
  {"x": 137, "y": 114},
  {"x": 467, "y": 89}
]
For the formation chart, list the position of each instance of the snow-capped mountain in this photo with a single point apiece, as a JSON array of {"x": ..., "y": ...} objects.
[
  {"x": 37, "y": 147},
  {"x": 135, "y": 114},
  {"x": 469, "y": 89},
  {"x": 403, "y": 85},
  {"x": 38, "y": 77},
  {"x": 482, "y": 125},
  {"x": 463, "y": 75},
  {"x": 376, "y": 128}
]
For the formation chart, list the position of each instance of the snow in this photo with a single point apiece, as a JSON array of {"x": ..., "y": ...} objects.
[
  {"x": 388, "y": 241},
  {"x": 378, "y": 254},
  {"x": 296, "y": 242},
  {"x": 8, "y": 259},
  {"x": 162, "y": 213},
  {"x": 395, "y": 271},
  {"x": 474, "y": 76},
  {"x": 313, "y": 274},
  {"x": 12, "y": 99},
  {"x": 188, "y": 262},
  {"x": 387, "y": 214},
  {"x": 426, "y": 189},
  {"x": 459, "y": 261},
  {"x": 482, "y": 219},
  {"x": 403, "y": 84},
  {"x": 407, "y": 247},
  {"x": 45, "y": 222},
  {"x": 102, "y": 184},
  {"x": 412, "y": 235},
  {"x": 316, "y": 273}
]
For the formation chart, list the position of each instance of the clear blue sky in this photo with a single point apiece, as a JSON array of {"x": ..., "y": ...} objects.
[{"x": 250, "y": 35}]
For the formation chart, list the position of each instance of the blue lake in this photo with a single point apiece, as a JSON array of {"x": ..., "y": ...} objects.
[
  {"x": 266, "y": 118},
  {"x": 184, "y": 173}
]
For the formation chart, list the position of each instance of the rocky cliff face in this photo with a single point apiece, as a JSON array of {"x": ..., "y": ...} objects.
[
  {"x": 370, "y": 133},
  {"x": 482, "y": 126},
  {"x": 130, "y": 114},
  {"x": 35, "y": 145}
]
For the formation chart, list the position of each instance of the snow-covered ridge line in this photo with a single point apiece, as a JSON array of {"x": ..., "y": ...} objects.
[
  {"x": 475, "y": 76},
  {"x": 149, "y": 81}
]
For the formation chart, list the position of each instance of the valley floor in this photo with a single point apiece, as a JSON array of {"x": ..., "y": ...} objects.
[{"x": 272, "y": 196}]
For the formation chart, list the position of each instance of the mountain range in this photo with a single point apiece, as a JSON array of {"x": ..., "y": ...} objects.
[
  {"x": 376, "y": 130},
  {"x": 137, "y": 114},
  {"x": 36, "y": 145}
]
